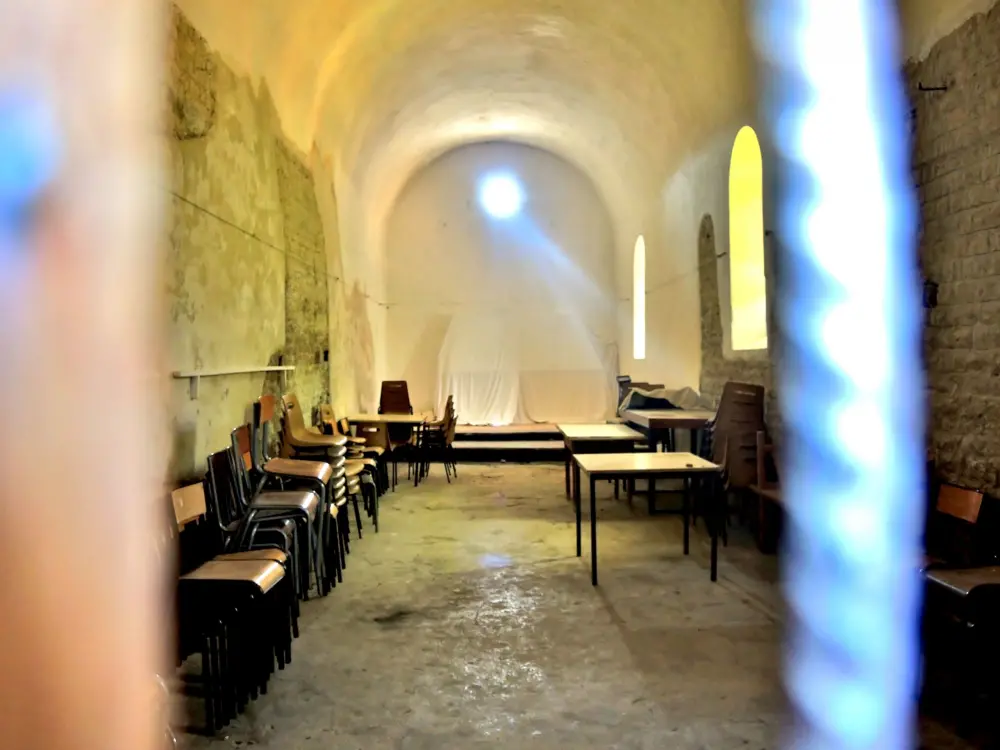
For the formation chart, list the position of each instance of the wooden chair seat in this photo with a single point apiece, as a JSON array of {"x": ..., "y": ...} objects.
[
  {"x": 303, "y": 500},
  {"x": 270, "y": 555},
  {"x": 354, "y": 469},
  {"x": 963, "y": 581},
  {"x": 306, "y": 439},
  {"x": 319, "y": 470},
  {"x": 263, "y": 574}
]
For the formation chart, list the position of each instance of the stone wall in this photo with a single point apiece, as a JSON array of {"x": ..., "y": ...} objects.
[
  {"x": 247, "y": 260},
  {"x": 716, "y": 366},
  {"x": 307, "y": 304},
  {"x": 957, "y": 169}
]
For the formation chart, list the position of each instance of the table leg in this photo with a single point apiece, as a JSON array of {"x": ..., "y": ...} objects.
[
  {"x": 714, "y": 517},
  {"x": 576, "y": 507},
  {"x": 593, "y": 530},
  {"x": 695, "y": 447},
  {"x": 687, "y": 515},
  {"x": 566, "y": 461}
]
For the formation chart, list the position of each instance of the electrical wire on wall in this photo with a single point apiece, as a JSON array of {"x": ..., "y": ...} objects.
[{"x": 849, "y": 369}]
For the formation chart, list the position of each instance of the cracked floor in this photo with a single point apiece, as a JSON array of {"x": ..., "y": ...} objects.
[{"x": 469, "y": 622}]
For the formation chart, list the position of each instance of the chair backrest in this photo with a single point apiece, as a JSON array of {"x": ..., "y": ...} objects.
[
  {"x": 242, "y": 441},
  {"x": 188, "y": 503},
  {"x": 260, "y": 433},
  {"x": 222, "y": 492},
  {"x": 395, "y": 398},
  {"x": 294, "y": 421},
  {"x": 741, "y": 407},
  {"x": 960, "y": 530},
  {"x": 960, "y": 503}
]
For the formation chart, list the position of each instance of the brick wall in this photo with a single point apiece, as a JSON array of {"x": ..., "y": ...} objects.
[{"x": 957, "y": 170}]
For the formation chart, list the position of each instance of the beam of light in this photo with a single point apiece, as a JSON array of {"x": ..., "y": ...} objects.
[
  {"x": 849, "y": 371},
  {"x": 501, "y": 196}
]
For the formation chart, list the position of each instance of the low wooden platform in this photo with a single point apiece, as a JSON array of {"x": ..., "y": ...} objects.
[{"x": 517, "y": 443}]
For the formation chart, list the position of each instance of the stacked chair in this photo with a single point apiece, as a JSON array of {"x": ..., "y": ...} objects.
[
  {"x": 731, "y": 441},
  {"x": 434, "y": 442},
  {"x": 299, "y": 441},
  {"x": 261, "y": 533},
  {"x": 237, "y": 609},
  {"x": 373, "y": 446}
]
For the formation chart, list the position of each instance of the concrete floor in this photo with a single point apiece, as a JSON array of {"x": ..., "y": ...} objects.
[{"x": 469, "y": 622}]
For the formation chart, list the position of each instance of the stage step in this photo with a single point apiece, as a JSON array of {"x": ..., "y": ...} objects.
[
  {"x": 514, "y": 445},
  {"x": 519, "y": 432},
  {"x": 508, "y": 450}
]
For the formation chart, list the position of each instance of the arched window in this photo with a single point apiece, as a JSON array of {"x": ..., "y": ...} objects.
[
  {"x": 747, "y": 286},
  {"x": 639, "y": 299}
]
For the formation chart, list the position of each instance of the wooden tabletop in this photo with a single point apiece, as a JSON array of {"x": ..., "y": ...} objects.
[
  {"x": 644, "y": 463},
  {"x": 410, "y": 419},
  {"x": 963, "y": 581},
  {"x": 600, "y": 432},
  {"x": 665, "y": 419}
]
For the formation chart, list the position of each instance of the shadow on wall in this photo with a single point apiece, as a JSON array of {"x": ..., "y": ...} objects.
[{"x": 363, "y": 346}]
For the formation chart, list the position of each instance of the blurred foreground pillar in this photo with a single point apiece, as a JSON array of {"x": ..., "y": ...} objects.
[
  {"x": 82, "y": 628},
  {"x": 850, "y": 374}
]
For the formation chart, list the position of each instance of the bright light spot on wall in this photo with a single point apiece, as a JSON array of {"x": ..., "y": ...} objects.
[
  {"x": 747, "y": 285},
  {"x": 501, "y": 196},
  {"x": 639, "y": 300}
]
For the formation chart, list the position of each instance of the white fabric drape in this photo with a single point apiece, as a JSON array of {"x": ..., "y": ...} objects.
[{"x": 504, "y": 368}]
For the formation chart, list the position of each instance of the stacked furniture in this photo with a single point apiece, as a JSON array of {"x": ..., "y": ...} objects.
[{"x": 266, "y": 533}]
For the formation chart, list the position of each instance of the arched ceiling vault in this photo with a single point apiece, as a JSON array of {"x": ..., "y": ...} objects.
[{"x": 625, "y": 90}]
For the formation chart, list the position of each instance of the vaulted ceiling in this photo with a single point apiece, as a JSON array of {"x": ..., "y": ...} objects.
[
  {"x": 622, "y": 89},
  {"x": 625, "y": 90}
]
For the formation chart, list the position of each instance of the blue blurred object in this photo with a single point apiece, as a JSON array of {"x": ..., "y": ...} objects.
[
  {"x": 29, "y": 156},
  {"x": 850, "y": 373}
]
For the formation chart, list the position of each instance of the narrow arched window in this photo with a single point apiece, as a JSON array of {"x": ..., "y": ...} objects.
[
  {"x": 639, "y": 300},
  {"x": 747, "y": 285}
]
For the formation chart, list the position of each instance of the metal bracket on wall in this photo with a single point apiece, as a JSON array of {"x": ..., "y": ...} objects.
[{"x": 194, "y": 376}]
